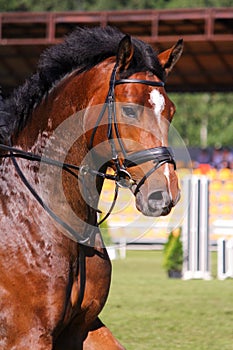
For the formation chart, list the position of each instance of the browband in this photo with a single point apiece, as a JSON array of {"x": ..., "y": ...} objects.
[{"x": 140, "y": 81}]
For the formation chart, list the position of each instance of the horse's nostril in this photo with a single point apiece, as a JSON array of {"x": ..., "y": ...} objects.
[{"x": 156, "y": 196}]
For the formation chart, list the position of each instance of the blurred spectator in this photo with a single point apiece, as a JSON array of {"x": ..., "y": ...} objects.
[
  {"x": 227, "y": 158},
  {"x": 204, "y": 156},
  {"x": 217, "y": 157}
]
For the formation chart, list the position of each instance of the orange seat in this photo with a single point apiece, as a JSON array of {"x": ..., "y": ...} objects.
[
  {"x": 228, "y": 186},
  {"x": 212, "y": 174},
  {"x": 226, "y": 210},
  {"x": 214, "y": 209},
  {"x": 204, "y": 168},
  {"x": 216, "y": 185},
  {"x": 225, "y": 198},
  {"x": 225, "y": 174},
  {"x": 197, "y": 171}
]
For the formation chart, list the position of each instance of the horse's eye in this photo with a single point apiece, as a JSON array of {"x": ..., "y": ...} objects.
[{"x": 130, "y": 111}]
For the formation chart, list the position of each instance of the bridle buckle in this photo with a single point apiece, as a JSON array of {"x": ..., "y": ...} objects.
[
  {"x": 124, "y": 179},
  {"x": 83, "y": 170}
]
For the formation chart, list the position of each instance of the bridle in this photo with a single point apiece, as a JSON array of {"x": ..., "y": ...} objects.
[
  {"x": 159, "y": 155},
  {"x": 122, "y": 178}
]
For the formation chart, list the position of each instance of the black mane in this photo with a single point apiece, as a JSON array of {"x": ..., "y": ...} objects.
[{"x": 84, "y": 48}]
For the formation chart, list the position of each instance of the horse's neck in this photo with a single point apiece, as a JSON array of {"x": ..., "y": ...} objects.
[{"x": 57, "y": 131}]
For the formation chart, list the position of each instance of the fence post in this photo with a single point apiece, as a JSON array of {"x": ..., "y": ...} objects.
[
  {"x": 225, "y": 258},
  {"x": 195, "y": 228}
]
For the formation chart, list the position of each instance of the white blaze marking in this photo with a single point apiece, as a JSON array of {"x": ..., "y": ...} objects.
[
  {"x": 166, "y": 174},
  {"x": 158, "y": 102}
]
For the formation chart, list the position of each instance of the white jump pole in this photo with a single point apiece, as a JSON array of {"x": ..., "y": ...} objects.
[
  {"x": 195, "y": 228},
  {"x": 225, "y": 258}
]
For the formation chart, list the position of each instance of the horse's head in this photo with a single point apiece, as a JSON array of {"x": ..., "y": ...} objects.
[
  {"x": 137, "y": 113},
  {"x": 147, "y": 124}
]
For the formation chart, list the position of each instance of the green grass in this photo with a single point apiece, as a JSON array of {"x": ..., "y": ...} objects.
[{"x": 146, "y": 310}]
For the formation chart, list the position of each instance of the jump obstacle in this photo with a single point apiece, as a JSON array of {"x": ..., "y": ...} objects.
[
  {"x": 195, "y": 233},
  {"x": 225, "y": 258},
  {"x": 195, "y": 228}
]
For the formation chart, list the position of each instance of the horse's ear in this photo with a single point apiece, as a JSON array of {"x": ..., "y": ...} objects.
[
  {"x": 169, "y": 57},
  {"x": 124, "y": 53}
]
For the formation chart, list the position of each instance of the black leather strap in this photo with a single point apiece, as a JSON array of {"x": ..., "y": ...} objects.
[
  {"x": 140, "y": 81},
  {"x": 157, "y": 154}
]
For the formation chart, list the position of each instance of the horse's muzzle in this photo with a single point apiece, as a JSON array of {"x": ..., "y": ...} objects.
[{"x": 157, "y": 203}]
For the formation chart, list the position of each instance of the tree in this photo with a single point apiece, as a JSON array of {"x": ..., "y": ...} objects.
[
  {"x": 69, "y": 5},
  {"x": 192, "y": 109},
  {"x": 42, "y": 5}
]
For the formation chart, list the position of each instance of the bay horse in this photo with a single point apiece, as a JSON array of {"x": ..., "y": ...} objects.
[{"x": 54, "y": 285}]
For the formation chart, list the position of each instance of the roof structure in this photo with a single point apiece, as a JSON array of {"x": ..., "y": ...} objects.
[{"x": 206, "y": 64}]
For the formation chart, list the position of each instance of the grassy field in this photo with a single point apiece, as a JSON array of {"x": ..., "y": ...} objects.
[{"x": 146, "y": 310}]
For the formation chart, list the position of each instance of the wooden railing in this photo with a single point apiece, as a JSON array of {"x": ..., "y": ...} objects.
[{"x": 28, "y": 28}]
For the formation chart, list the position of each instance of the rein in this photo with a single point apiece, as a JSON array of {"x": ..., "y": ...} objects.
[{"x": 122, "y": 178}]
